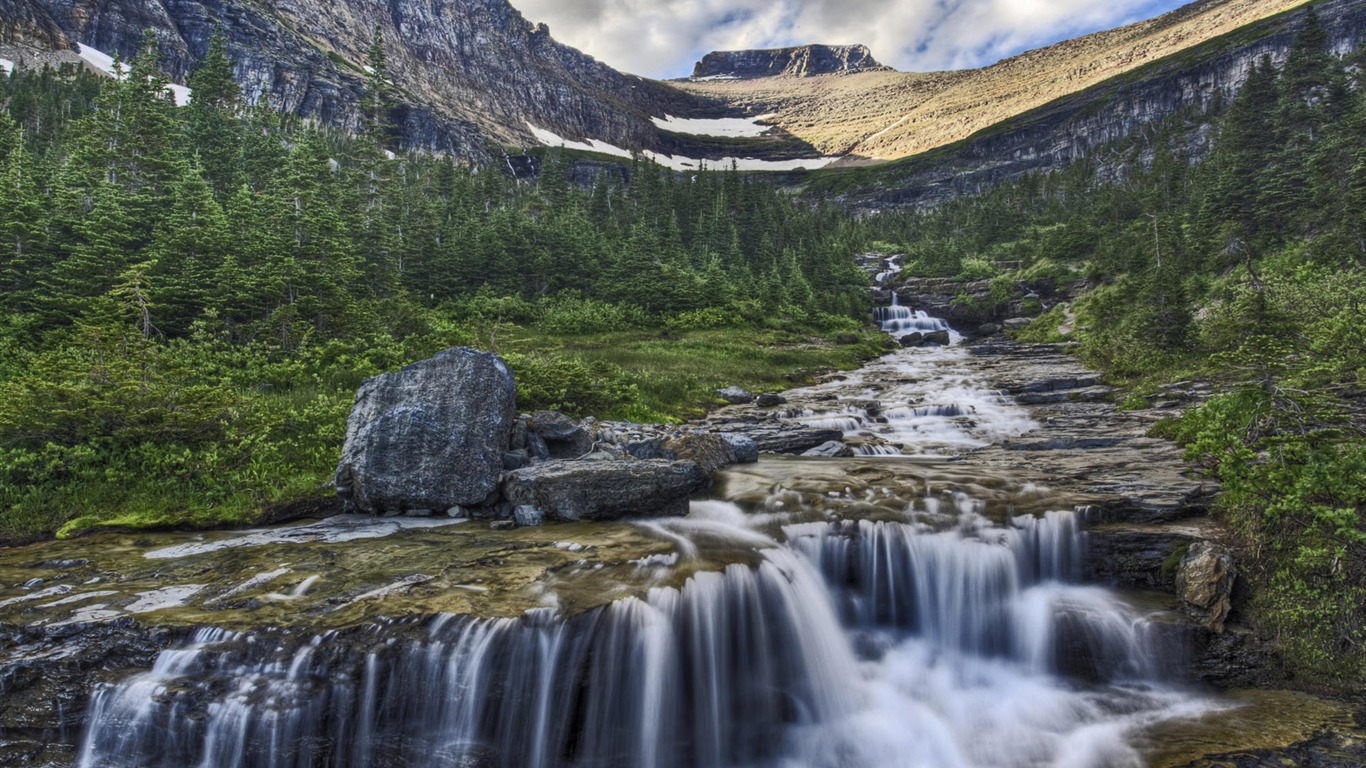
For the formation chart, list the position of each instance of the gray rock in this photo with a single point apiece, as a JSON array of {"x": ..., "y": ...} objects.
[
  {"x": 502, "y": 525},
  {"x": 564, "y": 437},
  {"x": 939, "y": 338},
  {"x": 708, "y": 449},
  {"x": 430, "y": 436},
  {"x": 516, "y": 459},
  {"x": 517, "y": 440},
  {"x": 988, "y": 329},
  {"x": 606, "y": 490},
  {"x": 1204, "y": 582},
  {"x": 537, "y": 447},
  {"x": 770, "y": 400},
  {"x": 913, "y": 339},
  {"x": 526, "y": 516},
  {"x": 735, "y": 395},
  {"x": 648, "y": 448},
  {"x": 832, "y": 449},
  {"x": 746, "y": 450},
  {"x": 1016, "y": 323}
]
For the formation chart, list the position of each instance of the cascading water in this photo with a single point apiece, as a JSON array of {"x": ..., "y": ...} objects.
[
  {"x": 837, "y": 646},
  {"x": 943, "y": 635}
]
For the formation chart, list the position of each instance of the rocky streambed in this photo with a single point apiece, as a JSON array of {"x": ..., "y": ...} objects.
[{"x": 981, "y": 562}]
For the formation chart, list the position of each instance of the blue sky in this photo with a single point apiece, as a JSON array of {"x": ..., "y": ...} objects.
[{"x": 662, "y": 38}]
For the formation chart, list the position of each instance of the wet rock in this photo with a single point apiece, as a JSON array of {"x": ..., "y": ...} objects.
[
  {"x": 913, "y": 339},
  {"x": 430, "y": 436},
  {"x": 503, "y": 525},
  {"x": 779, "y": 437},
  {"x": 735, "y": 395},
  {"x": 607, "y": 490},
  {"x": 937, "y": 338},
  {"x": 831, "y": 449},
  {"x": 526, "y": 515},
  {"x": 708, "y": 449},
  {"x": 1204, "y": 582},
  {"x": 770, "y": 400},
  {"x": 649, "y": 448},
  {"x": 746, "y": 450}
]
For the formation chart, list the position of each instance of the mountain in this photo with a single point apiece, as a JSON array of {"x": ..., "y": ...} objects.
[
  {"x": 474, "y": 78},
  {"x": 801, "y": 61},
  {"x": 885, "y": 115},
  {"x": 471, "y": 73}
]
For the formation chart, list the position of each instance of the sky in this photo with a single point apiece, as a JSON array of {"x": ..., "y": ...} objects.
[{"x": 663, "y": 38}]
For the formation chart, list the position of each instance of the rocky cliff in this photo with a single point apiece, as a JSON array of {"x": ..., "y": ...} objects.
[
  {"x": 471, "y": 74},
  {"x": 801, "y": 61},
  {"x": 1076, "y": 126}
]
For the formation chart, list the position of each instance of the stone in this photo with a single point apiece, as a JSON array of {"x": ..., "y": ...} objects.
[
  {"x": 988, "y": 329},
  {"x": 606, "y": 490},
  {"x": 938, "y": 338},
  {"x": 770, "y": 400},
  {"x": 1016, "y": 323},
  {"x": 746, "y": 450},
  {"x": 913, "y": 339},
  {"x": 502, "y": 525},
  {"x": 709, "y": 450},
  {"x": 457, "y": 512},
  {"x": 516, "y": 459},
  {"x": 564, "y": 437},
  {"x": 526, "y": 516},
  {"x": 1204, "y": 582},
  {"x": 735, "y": 395},
  {"x": 430, "y": 436},
  {"x": 832, "y": 449}
]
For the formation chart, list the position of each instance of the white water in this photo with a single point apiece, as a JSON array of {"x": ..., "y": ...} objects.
[
  {"x": 926, "y": 401},
  {"x": 848, "y": 645},
  {"x": 930, "y": 638}
]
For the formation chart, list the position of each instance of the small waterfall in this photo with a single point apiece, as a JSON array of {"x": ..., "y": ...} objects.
[
  {"x": 708, "y": 675},
  {"x": 899, "y": 321},
  {"x": 974, "y": 649},
  {"x": 986, "y": 591}
]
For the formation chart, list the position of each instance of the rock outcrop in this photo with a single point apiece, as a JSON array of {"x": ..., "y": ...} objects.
[
  {"x": 1204, "y": 582},
  {"x": 800, "y": 61},
  {"x": 429, "y": 437},
  {"x": 468, "y": 74},
  {"x": 606, "y": 490}
]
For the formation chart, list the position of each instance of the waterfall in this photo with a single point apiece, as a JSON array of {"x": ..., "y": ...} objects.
[
  {"x": 707, "y": 675},
  {"x": 899, "y": 321},
  {"x": 827, "y": 652}
]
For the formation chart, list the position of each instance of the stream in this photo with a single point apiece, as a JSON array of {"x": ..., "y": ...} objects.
[{"x": 903, "y": 607}]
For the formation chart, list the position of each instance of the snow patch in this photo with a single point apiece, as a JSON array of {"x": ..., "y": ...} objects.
[
  {"x": 738, "y": 127},
  {"x": 7, "y": 66},
  {"x": 180, "y": 93},
  {"x": 678, "y": 162},
  {"x": 710, "y": 78},
  {"x": 99, "y": 60},
  {"x": 552, "y": 139},
  {"x": 105, "y": 63}
]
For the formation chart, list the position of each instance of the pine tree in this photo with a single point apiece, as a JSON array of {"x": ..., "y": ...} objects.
[{"x": 212, "y": 127}]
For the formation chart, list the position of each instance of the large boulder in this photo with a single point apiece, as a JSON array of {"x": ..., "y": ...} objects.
[
  {"x": 431, "y": 436},
  {"x": 606, "y": 490}
]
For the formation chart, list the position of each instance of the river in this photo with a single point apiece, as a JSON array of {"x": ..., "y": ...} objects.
[{"x": 928, "y": 603}]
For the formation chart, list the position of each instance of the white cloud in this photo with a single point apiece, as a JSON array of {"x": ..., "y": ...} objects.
[{"x": 662, "y": 38}]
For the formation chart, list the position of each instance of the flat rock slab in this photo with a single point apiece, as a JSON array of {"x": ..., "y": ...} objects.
[
  {"x": 606, "y": 490},
  {"x": 429, "y": 437}
]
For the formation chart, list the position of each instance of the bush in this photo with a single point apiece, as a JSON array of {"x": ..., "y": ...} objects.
[{"x": 574, "y": 316}]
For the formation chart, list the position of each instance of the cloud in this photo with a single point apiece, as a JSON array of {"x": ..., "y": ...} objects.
[{"x": 662, "y": 38}]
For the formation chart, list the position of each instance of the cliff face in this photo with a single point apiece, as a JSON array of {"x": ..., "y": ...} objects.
[
  {"x": 471, "y": 73},
  {"x": 1074, "y": 127},
  {"x": 802, "y": 61}
]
